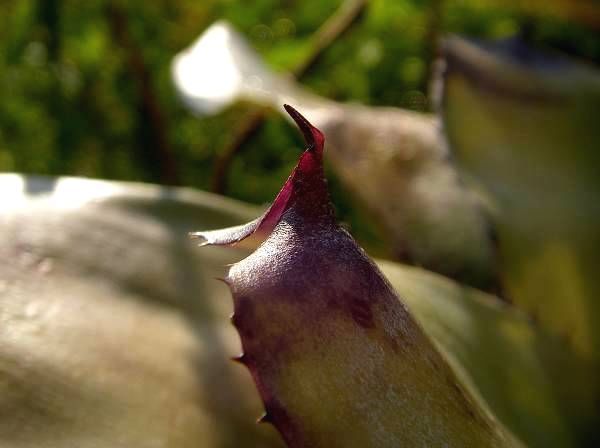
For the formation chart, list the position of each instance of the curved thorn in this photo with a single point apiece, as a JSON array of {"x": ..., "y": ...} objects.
[
  {"x": 265, "y": 418},
  {"x": 313, "y": 137},
  {"x": 224, "y": 280}
]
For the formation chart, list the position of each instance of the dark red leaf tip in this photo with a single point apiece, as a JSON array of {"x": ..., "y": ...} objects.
[{"x": 313, "y": 137}]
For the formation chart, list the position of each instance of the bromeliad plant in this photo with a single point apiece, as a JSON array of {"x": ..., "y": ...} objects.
[
  {"x": 393, "y": 161},
  {"x": 337, "y": 358}
]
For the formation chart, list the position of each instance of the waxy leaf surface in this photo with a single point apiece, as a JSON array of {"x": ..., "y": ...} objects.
[
  {"x": 524, "y": 126},
  {"x": 72, "y": 317},
  {"x": 336, "y": 357}
]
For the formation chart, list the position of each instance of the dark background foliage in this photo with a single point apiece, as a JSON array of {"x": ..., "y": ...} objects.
[{"x": 86, "y": 87}]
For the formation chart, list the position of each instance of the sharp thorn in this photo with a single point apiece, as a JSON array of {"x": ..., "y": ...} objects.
[
  {"x": 313, "y": 137},
  {"x": 265, "y": 418},
  {"x": 241, "y": 359},
  {"x": 224, "y": 280}
]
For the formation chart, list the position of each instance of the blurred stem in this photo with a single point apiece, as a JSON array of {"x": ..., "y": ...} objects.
[
  {"x": 432, "y": 48},
  {"x": 527, "y": 29},
  {"x": 332, "y": 29},
  {"x": 243, "y": 134},
  {"x": 155, "y": 151},
  {"x": 49, "y": 16},
  {"x": 329, "y": 32}
]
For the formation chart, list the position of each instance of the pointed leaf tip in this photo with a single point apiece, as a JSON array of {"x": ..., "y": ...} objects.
[
  {"x": 264, "y": 418},
  {"x": 313, "y": 137}
]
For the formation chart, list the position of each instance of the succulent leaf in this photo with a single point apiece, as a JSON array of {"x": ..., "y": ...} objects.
[
  {"x": 81, "y": 226},
  {"x": 337, "y": 358},
  {"x": 524, "y": 126},
  {"x": 103, "y": 341}
]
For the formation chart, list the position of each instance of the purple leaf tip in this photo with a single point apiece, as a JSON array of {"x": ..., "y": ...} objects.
[{"x": 313, "y": 137}]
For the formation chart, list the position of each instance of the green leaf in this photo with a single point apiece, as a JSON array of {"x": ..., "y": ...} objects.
[
  {"x": 110, "y": 332},
  {"x": 524, "y": 127}
]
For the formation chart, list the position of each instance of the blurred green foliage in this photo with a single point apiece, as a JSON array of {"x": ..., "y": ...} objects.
[{"x": 74, "y": 100}]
